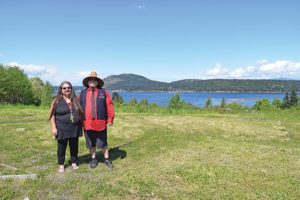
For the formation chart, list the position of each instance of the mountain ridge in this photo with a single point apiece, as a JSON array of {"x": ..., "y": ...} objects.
[{"x": 134, "y": 82}]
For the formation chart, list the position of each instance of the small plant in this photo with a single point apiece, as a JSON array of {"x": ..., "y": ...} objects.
[{"x": 175, "y": 102}]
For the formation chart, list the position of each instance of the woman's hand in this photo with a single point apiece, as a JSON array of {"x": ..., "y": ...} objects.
[{"x": 54, "y": 131}]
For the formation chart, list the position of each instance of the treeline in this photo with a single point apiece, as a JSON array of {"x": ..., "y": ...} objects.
[
  {"x": 176, "y": 104},
  {"x": 290, "y": 100},
  {"x": 236, "y": 85},
  {"x": 17, "y": 88}
]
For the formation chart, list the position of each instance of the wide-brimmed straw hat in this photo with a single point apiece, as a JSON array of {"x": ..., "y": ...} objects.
[{"x": 93, "y": 75}]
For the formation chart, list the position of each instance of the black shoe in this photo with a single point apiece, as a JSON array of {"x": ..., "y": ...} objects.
[
  {"x": 108, "y": 163},
  {"x": 93, "y": 163}
]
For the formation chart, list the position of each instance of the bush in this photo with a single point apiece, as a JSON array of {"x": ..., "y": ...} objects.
[
  {"x": 175, "y": 102},
  {"x": 132, "y": 102},
  {"x": 263, "y": 104},
  {"x": 277, "y": 103},
  {"x": 144, "y": 102}
]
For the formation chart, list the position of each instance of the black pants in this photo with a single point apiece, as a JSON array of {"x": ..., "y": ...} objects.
[{"x": 61, "y": 150}]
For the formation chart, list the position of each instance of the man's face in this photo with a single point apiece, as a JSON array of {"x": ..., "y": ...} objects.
[{"x": 93, "y": 83}]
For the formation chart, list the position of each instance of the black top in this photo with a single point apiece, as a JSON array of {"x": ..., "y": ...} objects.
[{"x": 65, "y": 127}]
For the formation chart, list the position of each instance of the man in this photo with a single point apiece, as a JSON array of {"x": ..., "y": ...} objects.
[{"x": 98, "y": 113}]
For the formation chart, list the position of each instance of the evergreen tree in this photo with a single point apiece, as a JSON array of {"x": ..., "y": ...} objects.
[
  {"x": 208, "y": 102},
  {"x": 175, "y": 102},
  {"x": 223, "y": 103},
  {"x": 286, "y": 101},
  {"x": 293, "y": 98},
  {"x": 117, "y": 99}
]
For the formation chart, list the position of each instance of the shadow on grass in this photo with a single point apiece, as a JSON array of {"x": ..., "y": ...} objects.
[{"x": 114, "y": 154}]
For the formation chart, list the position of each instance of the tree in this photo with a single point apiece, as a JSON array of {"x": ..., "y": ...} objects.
[
  {"x": 37, "y": 88},
  {"x": 47, "y": 94},
  {"x": 42, "y": 93},
  {"x": 208, "y": 102},
  {"x": 15, "y": 86},
  {"x": 286, "y": 101},
  {"x": 117, "y": 99},
  {"x": 293, "y": 98},
  {"x": 175, "y": 102},
  {"x": 223, "y": 103}
]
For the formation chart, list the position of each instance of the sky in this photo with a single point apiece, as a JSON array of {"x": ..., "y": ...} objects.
[{"x": 163, "y": 40}]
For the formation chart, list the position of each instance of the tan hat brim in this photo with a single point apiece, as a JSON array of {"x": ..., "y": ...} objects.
[{"x": 86, "y": 81}]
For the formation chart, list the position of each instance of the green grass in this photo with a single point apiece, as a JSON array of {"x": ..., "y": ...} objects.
[{"x": 201, "y": 155}]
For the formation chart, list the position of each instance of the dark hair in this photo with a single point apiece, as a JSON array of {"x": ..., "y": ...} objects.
[{"x": 73, "y": 98}]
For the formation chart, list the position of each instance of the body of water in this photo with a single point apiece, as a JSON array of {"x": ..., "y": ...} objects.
[{"x": 199, "y": 98}]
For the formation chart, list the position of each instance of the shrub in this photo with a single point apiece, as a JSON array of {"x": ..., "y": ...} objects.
[
  {"x": 277, "y": 103},
  {"x": 263, "y": 104},
  {"x": 175, "y": 102},
  {"x": 133, "y": 102},
  {"x": 144, "y": 102}
]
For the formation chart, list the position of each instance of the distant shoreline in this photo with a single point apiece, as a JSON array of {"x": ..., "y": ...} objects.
[
  {"x": 229, "y": 92},
  {"x": 187, "y": 91}
]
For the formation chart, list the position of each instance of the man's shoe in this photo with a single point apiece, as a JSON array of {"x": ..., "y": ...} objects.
[
  {"x": 93, "y": 163},
  {"x": 108, "y": 163}
]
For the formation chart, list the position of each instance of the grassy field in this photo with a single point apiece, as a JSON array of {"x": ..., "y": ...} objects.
[{"x": 209, "y": 155}]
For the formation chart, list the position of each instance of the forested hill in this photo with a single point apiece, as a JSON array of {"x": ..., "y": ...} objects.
[{"x": 133, "y": 82}]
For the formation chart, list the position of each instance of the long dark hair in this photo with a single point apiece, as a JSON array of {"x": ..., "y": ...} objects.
[{"x": 73, "y": 97}]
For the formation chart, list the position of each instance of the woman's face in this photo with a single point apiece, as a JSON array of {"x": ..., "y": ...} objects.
[{"x": 66, "y": 89}]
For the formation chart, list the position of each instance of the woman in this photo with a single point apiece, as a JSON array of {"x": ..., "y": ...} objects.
[{"x": 66, "y": 123}]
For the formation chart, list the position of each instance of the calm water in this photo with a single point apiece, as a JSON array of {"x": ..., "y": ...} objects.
[{"x": 199, "y": 98}]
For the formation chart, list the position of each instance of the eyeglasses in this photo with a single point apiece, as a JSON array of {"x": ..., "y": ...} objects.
[
  {"x": 92, "y": 81},
  {"x": 66, "y": 88}
]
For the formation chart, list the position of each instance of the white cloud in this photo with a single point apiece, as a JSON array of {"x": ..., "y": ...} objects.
[
  {"x": 263, "y": 69},
  {"x": 280, "y": 66},
  {"x": 33, "y": 70},
  {"x": 56, "y": 75},
  {"x": 217, "y": 72},
  {"x": 242, "y": 72}
]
